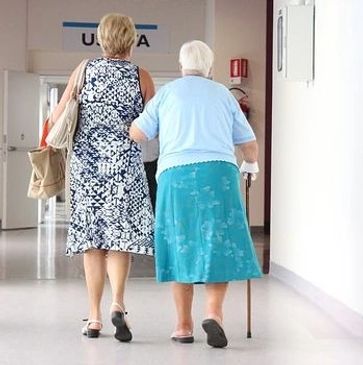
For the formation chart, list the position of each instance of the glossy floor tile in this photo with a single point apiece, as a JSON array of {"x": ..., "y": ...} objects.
[{"x": 40, "y": 254}]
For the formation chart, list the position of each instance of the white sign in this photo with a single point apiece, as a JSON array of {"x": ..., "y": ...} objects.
[{"x": 82, "y": 37}]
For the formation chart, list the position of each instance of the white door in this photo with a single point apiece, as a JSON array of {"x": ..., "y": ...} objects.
[{"x": 20, "y": 134}]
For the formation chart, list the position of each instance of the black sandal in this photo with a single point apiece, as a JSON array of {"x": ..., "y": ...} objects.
[{"x": 122, "y": 332}]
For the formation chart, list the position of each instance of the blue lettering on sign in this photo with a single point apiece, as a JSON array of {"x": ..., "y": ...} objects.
[{"x": 90, "y": 39}]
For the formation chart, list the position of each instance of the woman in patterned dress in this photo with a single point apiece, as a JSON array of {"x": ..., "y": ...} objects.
[
  {"x": 201, "y": 232},
  {"x": 110, "y": 211}
]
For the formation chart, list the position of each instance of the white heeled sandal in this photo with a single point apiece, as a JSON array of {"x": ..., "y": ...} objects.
[{"x": 91, "y": 332}]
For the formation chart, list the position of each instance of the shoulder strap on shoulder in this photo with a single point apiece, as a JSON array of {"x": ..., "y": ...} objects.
[{"x": 79, "y": 80}]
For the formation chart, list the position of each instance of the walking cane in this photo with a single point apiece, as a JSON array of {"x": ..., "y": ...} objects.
[{"x": 248, "y": 185}]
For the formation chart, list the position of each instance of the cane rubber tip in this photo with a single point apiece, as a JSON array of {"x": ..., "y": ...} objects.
[{"x": 249, "y": 335}]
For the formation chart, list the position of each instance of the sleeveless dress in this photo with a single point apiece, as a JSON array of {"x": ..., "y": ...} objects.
[{"x": 110, "y": 207}]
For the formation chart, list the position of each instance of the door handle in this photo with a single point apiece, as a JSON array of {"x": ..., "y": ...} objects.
[{"x": 19, "y": 149}]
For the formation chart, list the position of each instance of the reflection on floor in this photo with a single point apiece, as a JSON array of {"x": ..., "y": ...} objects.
[
  {"x": 41, "y": 319},
  {"x": 39, "y": 254}
]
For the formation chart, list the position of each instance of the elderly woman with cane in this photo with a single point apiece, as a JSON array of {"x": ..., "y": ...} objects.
[{"x": 201, "y": 231}]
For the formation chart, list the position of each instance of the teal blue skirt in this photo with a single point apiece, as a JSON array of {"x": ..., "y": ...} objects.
[{"x": 201, "y": 230}]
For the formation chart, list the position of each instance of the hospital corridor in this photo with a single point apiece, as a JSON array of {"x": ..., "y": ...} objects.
[{"x": 181, "y": 182}]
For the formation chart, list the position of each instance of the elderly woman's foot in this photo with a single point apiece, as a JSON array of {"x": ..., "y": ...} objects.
[
  {"x": 184, "y": 331},
  {"x": 183, "y": 336},
  {"x": 215, "y": 333}
]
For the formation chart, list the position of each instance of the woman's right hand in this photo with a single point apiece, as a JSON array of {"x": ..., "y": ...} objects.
[
  {"x": 250, "y": 156},
  {"x": 249, "y": 168}
]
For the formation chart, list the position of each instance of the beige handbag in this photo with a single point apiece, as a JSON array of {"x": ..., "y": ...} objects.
[
  {"x": 62, "y": 133},
  {"x": 52, "y": 161},
  {"x": 48, "y": 175}
]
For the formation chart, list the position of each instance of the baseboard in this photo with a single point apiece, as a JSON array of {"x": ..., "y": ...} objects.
[
  {"x": 257, "y": 229},
  {"x": 346, "y": 317}
]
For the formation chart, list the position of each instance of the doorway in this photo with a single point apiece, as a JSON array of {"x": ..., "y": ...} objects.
[{"x": 51, "y": 210}]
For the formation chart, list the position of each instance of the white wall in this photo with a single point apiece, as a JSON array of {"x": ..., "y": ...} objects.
[
  {"x": 240, "y": 31},
  {"x": 13, "y": 22},
  {"x": 317, "y": 154}
]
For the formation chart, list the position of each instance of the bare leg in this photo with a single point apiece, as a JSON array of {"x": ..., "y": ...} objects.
[
  {"x": 183, "y": 298},
  {"x": 215, "y": 298},
  {"x": 95, "y": 269},
  {"x": 118, "y": 267},
  {"x": 212, "y": 325}
]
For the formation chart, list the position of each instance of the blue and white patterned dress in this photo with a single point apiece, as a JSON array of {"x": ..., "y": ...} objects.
[{"x": 110, "y": 204}]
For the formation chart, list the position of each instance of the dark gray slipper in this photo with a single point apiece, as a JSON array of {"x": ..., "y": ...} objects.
[{"x": 215, "y": 333}]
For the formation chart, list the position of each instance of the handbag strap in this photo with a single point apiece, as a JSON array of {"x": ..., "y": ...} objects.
[{"x": 79, "y": 80}]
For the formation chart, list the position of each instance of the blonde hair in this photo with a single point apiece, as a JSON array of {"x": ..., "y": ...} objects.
[
  {"x": 196, "y": 57},
  {"x": 116, "y": 34}
]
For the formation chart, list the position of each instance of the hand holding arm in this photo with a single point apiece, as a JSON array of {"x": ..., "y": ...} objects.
[{"x": 136, "y": 134}]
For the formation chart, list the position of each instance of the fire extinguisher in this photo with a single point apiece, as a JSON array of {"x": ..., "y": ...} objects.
[{"x": 242, "y": 100}]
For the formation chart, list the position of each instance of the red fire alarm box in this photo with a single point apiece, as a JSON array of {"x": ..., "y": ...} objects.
[{"x": 238, "y": 70}]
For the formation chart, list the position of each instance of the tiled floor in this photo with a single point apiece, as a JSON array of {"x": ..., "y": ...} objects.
[{"x": 40, "y": 320}]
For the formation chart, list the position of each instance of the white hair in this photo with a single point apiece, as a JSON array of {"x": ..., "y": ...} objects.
[{"x": 196, "y": 57}]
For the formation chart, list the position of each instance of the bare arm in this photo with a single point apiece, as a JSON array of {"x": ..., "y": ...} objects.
[
  {"x": 249, "y": 151},
  {"x": 147, "y": 91},
  {"x": 147, "y": 85}
]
